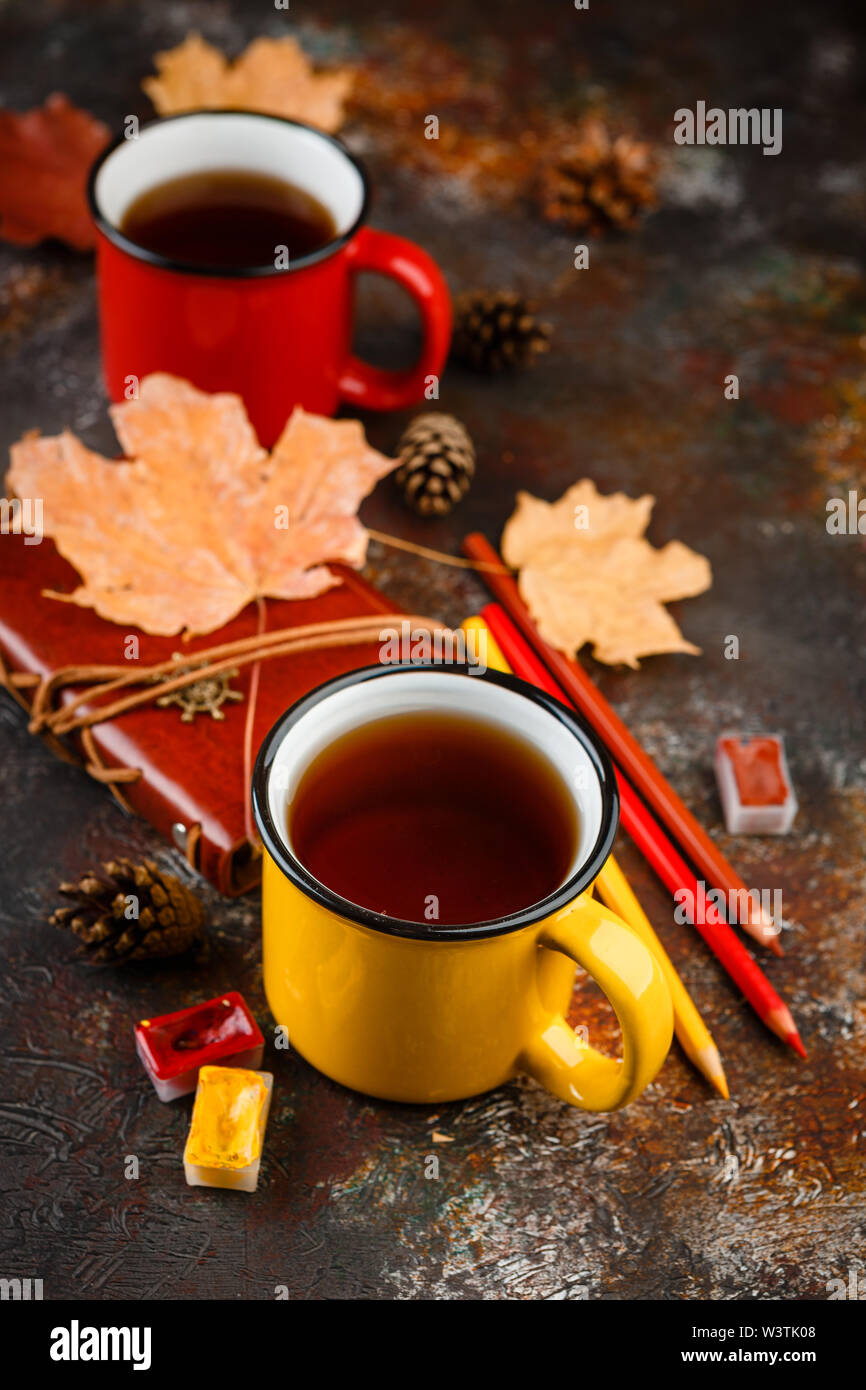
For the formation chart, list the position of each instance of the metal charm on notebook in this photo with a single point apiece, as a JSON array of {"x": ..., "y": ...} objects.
[{"x": 204, "y": 696}]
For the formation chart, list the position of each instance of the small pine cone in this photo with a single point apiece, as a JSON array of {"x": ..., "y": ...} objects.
[
  {"x": 497, "y": 329},
  {"x": 132, "y": 912},
  {"x": 437, "y": 464},
  {"x": 597, "y": 182}
]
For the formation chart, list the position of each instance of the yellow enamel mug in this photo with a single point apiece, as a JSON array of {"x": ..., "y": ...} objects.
[{"x": 418, "y": 1012}]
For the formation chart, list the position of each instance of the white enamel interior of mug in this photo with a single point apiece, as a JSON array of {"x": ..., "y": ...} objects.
[
  {"x": 399, "y": 693},
  {"x": 174, "y": 148}
]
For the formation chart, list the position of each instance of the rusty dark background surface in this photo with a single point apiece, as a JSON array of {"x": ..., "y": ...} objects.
[{"x": 751, "y": 265}]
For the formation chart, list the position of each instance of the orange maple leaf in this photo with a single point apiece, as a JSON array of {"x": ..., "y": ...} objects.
[
  {"x": 200, "y": 520},
  {"x": 45, "y": 155},
  {"x": 588, "y": 573},
  {"x": 271, "y": 75}
]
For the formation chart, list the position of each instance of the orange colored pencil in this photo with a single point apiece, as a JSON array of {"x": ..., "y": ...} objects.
[{"x": 624, "y": 747}]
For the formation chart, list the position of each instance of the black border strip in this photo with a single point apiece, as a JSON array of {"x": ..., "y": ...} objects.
[
  {"x": 393, "y": 926},
  {"x": 222, "y": 272}
]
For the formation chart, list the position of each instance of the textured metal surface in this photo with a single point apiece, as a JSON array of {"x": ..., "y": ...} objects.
[{"x": 752, "y": 266}]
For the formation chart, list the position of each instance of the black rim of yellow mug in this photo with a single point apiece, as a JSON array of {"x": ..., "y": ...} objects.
[{"x": 273, "y": 836}]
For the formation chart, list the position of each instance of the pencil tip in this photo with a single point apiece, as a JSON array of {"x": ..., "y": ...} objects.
[
  {"x": 783, "y": 1025},
  {"x": 764, "y": 928},
  {"x": 769, "y": 939},
  {"x": 721, "y": 1085},
  {"x": 710, "y": 1063}
]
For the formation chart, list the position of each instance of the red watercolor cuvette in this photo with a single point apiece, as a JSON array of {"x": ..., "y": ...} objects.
[
  {"x": 219, "y": 1032},
  {"x": 755, "y": 785}
]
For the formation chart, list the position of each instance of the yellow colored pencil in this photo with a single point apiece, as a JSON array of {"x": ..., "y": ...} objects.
[
  {"x": 484, "y": 646},
  {"x": 694, "y": 1037},
  {"x": 616, "y": 893}
]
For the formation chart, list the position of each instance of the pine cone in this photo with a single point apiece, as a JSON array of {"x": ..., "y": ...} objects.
[
  {"x": 497, "y": 329},
  {"x": 437, "y": 463},
  {"x": 132, "y": 912},
  {"x": 597, "y": 182}
]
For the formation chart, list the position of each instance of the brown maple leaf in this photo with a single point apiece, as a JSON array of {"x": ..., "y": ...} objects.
[
  {"x": 45, "y": 155},
  {"x": 199, "y": 520},
  {"x": 271, "y": 75},
  {"x": 588, "y": 574}
]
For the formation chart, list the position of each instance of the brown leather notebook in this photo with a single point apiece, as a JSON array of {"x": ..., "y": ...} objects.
[{"x": 191, "y": 782}]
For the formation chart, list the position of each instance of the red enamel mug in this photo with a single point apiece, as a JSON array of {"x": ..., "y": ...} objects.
[{"x": 276, "y": 337}]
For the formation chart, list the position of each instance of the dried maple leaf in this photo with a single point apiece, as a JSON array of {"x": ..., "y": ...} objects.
[
  {"x": 271, "y": 75},
  {"x": 45, "y": 155},
  {"x": 199, "y": 520},
  {"x": 588, "y": 574}
]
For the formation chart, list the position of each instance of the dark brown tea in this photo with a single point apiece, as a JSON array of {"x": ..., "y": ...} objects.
[
  {"x": 228, "y": 217},
  {"x": 434, "y": 818}
]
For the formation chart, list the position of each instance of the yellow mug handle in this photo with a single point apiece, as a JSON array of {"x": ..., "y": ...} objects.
[{"x": 629, "y": 974}]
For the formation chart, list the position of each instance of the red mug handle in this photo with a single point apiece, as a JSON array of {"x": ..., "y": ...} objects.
[{"x": 374, "y": 388}]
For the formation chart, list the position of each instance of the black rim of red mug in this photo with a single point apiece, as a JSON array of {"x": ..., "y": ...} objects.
[
  {"x": 295, "y": 871},
  {"x": 217, "y": 272}
]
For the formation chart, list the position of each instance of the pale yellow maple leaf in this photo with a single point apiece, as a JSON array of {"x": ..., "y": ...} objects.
[
  {"x": 588, "y": 574},
  {"x": 274, "y": 76},
  {"x": 199, "y": 519}
]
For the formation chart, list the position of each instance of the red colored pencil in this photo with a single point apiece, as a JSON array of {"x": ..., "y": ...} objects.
[
  {"x": 657, "y": 849},
  {"x": 624, "y": 747}
]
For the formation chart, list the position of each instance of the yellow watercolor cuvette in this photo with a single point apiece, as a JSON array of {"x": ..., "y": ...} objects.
[{"x": 225, "y": 1140}]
